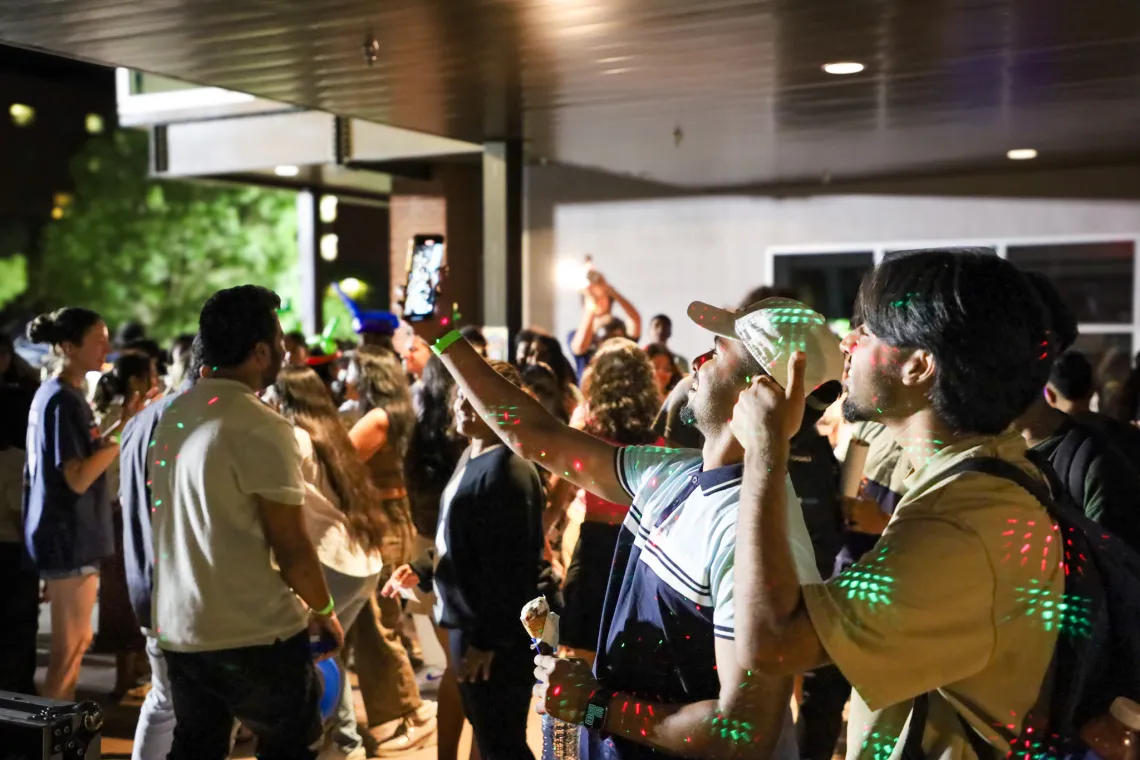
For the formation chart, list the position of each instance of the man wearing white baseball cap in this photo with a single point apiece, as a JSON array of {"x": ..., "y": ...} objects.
[{"x": 668, "y": 679}]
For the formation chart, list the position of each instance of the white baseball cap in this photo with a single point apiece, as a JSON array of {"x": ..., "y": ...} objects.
[{"x": 774, "y": 329}]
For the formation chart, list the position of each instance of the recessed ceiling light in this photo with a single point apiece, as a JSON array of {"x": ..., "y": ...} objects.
[
  {"x": 616, "y": 71},
  {"x": 615, "y": 59},
  {"x": 841, "y": 68},
  {"x": 287, "y": 171},
  {"x": 1021, "y": 154}
]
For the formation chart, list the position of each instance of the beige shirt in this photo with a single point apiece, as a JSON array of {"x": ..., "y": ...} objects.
[
  {"x": 960, "y": 596},
  {"x": 216, "y": 451},
  {"x": 328, "y": 527}
]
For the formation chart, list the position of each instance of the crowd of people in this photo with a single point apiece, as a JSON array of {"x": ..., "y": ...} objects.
[{"x": 244, "y": 504}]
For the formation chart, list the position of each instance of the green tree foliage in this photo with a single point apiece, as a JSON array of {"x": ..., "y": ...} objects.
[
  {"x": 135, "y": 248},
  {"x": 13, "y": 278}
]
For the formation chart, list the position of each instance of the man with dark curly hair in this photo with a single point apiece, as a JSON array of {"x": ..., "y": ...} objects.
[{"x": 953, "y": 346}]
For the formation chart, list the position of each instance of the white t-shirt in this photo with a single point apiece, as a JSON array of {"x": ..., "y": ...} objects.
[
  {"x": 216, "y": 450},
  {"x": 328, "y": 527}
]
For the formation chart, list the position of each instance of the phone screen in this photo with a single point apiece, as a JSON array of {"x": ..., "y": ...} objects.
[{"x": 425, "y": 262}]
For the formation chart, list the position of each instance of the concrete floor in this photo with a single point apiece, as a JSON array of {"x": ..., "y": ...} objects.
[{"x": 97, "y": 679}]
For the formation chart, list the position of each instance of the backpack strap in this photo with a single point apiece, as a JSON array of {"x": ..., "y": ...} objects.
[
  {"x": 912, "y": 747},
  {"x": 919, "y": 712},
  {"x": 999, "y": 468}
]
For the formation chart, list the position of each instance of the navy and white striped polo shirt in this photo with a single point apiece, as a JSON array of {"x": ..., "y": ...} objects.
[{"x": 671, "y": 586}]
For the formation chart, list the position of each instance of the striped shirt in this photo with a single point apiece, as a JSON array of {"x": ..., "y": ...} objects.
[{"x": 670, "y": 593}]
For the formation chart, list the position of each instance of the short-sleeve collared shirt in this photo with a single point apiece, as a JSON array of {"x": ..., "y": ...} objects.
[{"x": 670, "y": 593}]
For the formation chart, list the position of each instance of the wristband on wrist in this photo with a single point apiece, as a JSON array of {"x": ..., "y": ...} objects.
[
  {"x": 445, "y": 342},
  {"x": 597, "y": 710},
  {"x": 327, "y": 610}
]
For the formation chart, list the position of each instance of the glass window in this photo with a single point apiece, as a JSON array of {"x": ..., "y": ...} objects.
[
  {"x": 827, "y": 282},
  {"x": 1094, "y": 279}
]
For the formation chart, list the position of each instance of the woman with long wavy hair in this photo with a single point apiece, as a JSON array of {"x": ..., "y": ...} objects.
[
  {"x": 621, "y": 402},
  {"x": 381, "y": 437},
  {"x": 340, "y": 512}
]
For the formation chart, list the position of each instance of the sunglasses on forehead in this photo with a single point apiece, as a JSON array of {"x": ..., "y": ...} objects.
[{"x": 703, "y": 358}]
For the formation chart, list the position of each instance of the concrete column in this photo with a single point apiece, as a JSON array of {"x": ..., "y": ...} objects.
[
  {"x": 502, "y": 236},
  {"x": 309, "y": 261}
]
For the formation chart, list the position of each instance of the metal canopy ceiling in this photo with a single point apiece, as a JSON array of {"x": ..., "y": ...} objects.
[{"x": 697, "y": 93}]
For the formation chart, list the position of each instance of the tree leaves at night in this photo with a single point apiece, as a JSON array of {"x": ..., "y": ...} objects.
[{"x": 135, "y": 248}]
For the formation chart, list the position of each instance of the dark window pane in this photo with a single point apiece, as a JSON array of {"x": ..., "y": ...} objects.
[
  {"x": 826, "y": 282},
  {"x": 1094, "y": 279}
]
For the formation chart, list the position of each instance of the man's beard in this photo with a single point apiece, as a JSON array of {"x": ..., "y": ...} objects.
[
  {"x": 688, "y": 416},
  {"x": 269, "y": 377},
  {"x": 852, "y": 412}
]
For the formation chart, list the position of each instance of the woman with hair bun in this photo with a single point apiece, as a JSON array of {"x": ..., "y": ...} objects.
[{"x": 66, "y": 504}]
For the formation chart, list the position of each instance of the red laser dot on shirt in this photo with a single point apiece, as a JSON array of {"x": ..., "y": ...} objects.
[{"x": 557, "y": 690}]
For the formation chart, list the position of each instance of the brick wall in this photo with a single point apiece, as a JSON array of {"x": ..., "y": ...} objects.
[
  {"x": 411, "y": 215},
  {"x": 450, "y": 204}
]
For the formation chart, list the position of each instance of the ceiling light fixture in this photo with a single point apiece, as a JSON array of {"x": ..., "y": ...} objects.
[
  {"x": 617, "y": 71},
  {"x": 1021, "y": 154},
  {"x": 615, "y": 59},
  {"x": 287, "y": 171},
  {"x": 843, "y": 68}
]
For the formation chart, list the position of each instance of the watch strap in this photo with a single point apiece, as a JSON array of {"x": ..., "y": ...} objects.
[{"x": 597, "y": 709}]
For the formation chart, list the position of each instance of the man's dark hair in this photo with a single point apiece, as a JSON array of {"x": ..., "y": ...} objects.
[
  {"x": 1061, "y": 321},
  {"x": 979, "y": 317},
  {"x": 473, "y": 335},
  {"x": 662, "y": 318},
  {"x": 1072, "y": 376},
  {"x": 129, "y": 332},
  {"x": 234, "y": 321},
  {"x": 766, "y": 291},
  {"x": 296, "y": 336},
  {"x": 147, "y": 346}
]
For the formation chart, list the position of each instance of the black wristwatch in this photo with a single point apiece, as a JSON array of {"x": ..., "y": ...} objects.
[{"x": 597, "y": 709}]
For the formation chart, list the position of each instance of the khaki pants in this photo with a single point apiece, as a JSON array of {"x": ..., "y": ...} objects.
[{"x": 387, "y": 681}]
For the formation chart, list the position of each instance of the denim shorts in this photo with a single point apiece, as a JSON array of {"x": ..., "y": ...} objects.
[{"x": 62, "y": 575}]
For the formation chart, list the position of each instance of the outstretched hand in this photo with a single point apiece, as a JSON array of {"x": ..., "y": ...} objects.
[{"x": 765, "y": 412}]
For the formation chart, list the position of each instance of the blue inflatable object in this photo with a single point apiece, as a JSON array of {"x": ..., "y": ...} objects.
[
  {"x": 328, "y": 679},
  {"x": 383, "y": 322}
]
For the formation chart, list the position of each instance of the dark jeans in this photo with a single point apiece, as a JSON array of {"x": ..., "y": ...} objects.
[
  {"x": 20, "y": 610},
  {"x": 271, "y": 689},
  {"x": 821, "y": 712},
  {"x": 498, "y": 707}
]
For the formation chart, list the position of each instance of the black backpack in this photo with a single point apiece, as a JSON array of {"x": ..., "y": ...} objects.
[
  {"x": 1072, "y": 459},
  {"x": 1097, "y": 656}
]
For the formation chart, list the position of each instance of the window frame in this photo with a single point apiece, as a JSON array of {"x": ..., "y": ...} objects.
[{"x": 1000, "y": 245}]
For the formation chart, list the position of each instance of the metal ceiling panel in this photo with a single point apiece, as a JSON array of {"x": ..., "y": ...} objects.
[{"x": 698, "y": 93}]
